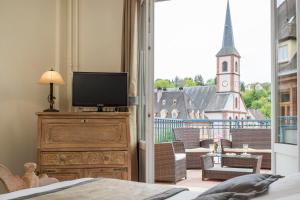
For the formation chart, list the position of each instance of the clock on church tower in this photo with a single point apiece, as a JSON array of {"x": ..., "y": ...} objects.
[{"x": 228, "y": 60}]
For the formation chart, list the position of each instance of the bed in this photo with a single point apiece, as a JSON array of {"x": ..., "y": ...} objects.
[{"x": 255, "y": 186}]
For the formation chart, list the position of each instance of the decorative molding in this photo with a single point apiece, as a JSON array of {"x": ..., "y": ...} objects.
[
  {"x": 57, "y": 62},
  {"x": 72, "y": 45}
]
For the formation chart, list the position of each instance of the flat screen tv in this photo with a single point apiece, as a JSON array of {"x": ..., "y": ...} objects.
[{"x": 99, "y": 89}]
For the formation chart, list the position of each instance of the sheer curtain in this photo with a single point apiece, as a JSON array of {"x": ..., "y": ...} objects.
[{"x": 129, "y": 64}]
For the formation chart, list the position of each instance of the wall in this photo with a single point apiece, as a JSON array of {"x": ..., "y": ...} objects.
[
  {"x": 71, "y": 35},
  {"x": 100, "y": 36},
  {"x": 26, "y": 50}
]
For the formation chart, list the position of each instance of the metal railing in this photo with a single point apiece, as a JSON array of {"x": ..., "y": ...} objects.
[
  {"x": 209, "y": 129},
  {"x": 287, "y": 130}
]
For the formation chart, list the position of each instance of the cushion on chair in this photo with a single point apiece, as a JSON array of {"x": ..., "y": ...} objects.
[
  {"x": 180, "y": 156},
  {"x": 231, "y": 169},
  {"x": 200, "y": 149},
  {"x": 250, "y": 150}
]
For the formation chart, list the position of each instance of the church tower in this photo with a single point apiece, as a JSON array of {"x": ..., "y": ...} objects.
[{"x": 228, "y": 60}]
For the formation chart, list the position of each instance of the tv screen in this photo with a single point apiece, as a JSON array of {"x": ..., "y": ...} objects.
[{"x": 98, "y": 89}]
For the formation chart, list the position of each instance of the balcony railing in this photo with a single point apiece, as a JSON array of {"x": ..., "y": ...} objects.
[
  {"x": 287, "y": 130},
  {"x": 209, "y": 129}
]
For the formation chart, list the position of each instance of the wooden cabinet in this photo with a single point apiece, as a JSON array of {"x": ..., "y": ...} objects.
[{"x": 84, "y": 144}]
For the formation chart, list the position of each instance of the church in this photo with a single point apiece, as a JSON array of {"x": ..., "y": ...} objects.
[{"x": 220, "y": 101}]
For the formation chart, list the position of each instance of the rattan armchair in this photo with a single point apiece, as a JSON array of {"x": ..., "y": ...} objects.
[
  {"x": 170, "y": 162},
  {"x": 194, "y": 147}
]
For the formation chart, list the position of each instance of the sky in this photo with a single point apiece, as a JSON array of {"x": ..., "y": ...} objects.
[{"x": 189, "y": 33}]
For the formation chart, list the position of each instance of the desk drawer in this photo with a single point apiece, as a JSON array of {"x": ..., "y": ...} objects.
[
  {"x": 84, "y": 158},
  {"x": 84, "y": 133},
  {"x": 71, "y": 174},
  {"x": 117, "y": 173}
]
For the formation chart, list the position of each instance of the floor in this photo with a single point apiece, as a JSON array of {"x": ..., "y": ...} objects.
[{"x": 194, "y": 181}]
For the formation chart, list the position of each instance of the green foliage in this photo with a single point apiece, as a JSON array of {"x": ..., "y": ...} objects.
[
  {"x": 164, "y": 135},
  {"x": 163, "y": 83},
  {"x": 259, "y": 99},
  {"x": 210, "y": 82},
  {"x": 199, "y": 80},
  {"x": 189, "y": 82}
]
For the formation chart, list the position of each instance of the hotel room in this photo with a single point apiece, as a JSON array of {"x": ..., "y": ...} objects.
[{"x": 92, "y": 135}]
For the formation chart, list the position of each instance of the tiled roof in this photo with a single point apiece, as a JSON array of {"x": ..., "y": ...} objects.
[
  {"x": 200, "y": 98},
  {"x": 256, "y": 114}
]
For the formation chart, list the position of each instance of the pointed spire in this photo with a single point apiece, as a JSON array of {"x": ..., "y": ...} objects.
[{"x": 228, "y": 47}]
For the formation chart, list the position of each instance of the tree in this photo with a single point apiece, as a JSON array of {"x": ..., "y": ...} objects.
[
  {"x": 259, "y": 100},
  {"x": 210, "y": 82},
  {"x": 177, "y": 81},
  {"x": 189, "y": 82},
  {"x": 199, "y": 80},
  {"x": 163, "y": 83}
]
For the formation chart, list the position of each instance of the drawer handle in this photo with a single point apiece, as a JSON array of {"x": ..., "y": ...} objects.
[{"x": 84, "y": 121}]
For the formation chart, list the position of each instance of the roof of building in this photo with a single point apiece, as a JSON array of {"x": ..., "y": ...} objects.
[
  {"x": 206, "y": 98},
  {"x": 199, "y": 98},
  {"x": 228, "y": 47},
  {"x": 256, "y": 114},
  {"x": 183, "y": 103}
]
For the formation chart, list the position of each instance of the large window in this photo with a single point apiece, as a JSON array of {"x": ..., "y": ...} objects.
[{"x": 283, "y": 55}]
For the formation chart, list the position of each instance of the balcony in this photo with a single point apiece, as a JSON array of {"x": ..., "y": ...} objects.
[{"x": 215, "y": 131}]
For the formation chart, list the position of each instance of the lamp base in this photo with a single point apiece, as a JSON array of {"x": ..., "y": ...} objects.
[{"x": 51, "y": 110}]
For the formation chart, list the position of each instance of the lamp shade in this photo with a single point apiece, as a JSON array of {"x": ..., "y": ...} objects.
[{"x": 51, "y": 76}]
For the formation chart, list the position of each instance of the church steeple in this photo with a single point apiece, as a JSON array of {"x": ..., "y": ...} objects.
[
  {"x": 228, "y": 47},
  {"x": 228, "y": 60}
]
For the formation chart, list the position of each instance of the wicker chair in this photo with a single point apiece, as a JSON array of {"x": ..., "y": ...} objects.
[
  {"x": 259, "y": 141},
  {"x": 170, "y": 162},
  {"x": 194, "y": 148}
]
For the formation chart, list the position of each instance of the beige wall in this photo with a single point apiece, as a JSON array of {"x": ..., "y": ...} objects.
[
  {"x": 71, "y": 35},
  {"x": 100, "y": 54}
]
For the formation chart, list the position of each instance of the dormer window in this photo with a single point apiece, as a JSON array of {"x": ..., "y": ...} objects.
[
  {"x": 192, "y": 114},
  {"x": 236, "y": 102},
  {"x": 163, "y": 113},
  {"x": 174, "y": 101},
  {"x": 175, "y": 114},
  {"x": 224, "y": 66}
]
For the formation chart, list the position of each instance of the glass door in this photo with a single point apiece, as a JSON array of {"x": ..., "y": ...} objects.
[
  {"x": 146, "y": 76},
  {"x": 285, "y": 87}
]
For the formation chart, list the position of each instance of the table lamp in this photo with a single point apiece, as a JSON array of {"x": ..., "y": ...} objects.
[{"x": 51, "y": 77}]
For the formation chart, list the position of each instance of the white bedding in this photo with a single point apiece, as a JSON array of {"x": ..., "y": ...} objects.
[
  {"x": 186, "y": 195},
  {"x": 284, "y": 189},
  {"x": 30, "y": 191}
]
